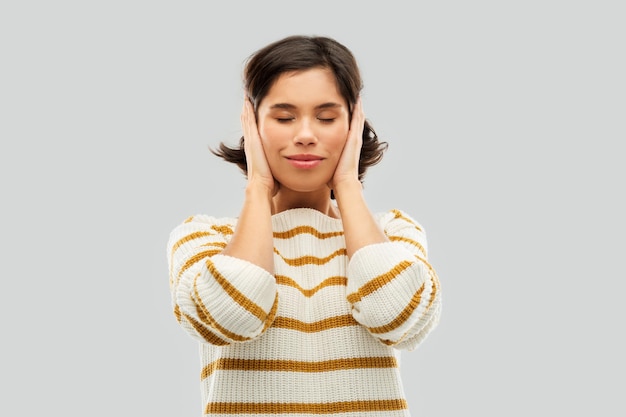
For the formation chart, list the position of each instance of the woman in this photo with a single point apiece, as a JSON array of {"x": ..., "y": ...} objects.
[{"x": 302, "y": 303}]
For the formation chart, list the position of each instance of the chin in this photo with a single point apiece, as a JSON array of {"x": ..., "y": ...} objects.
[{"x": 304, "y": 189}]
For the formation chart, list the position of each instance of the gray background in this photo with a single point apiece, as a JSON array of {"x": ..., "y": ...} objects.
[{"x": 506, "y": 126}]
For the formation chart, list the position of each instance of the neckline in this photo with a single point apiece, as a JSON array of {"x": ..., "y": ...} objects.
[{"x": 305, "y": 213}]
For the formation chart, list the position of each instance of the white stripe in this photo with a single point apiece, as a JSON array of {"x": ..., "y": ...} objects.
[
  {"x": 328, "y": 302},
  {"x": 335, "y": 290},
  {"x": 284, "y": 344},
  {"x": 310, "y": 275},
  {"x": 271, "y": 386}
]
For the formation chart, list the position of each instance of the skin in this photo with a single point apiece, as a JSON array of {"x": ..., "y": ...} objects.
[{"x": 302, "y": 114}]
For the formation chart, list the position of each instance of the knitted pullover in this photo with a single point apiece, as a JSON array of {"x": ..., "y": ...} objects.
[{"x": 321, "y": 335}]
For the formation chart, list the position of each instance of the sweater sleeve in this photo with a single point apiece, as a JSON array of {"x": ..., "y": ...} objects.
[
  {"x": 393, "y": 290},
  {"x": 217, "y": 299}
]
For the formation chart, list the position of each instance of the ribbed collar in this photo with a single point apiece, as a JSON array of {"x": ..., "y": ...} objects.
[{"x": 291, "y": 218}]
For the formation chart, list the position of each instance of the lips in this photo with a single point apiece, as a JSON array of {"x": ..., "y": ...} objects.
[
  {"x": 304, "y": 161},
  {"x": 305, "y": 157}
]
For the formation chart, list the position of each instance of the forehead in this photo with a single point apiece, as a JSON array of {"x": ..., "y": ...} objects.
[{"x": 306, "y": 87}]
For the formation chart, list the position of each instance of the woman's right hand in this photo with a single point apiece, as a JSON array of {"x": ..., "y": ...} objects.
[
  {"x": 252, "y": 238},
  {"x": 259, "y": 173}
]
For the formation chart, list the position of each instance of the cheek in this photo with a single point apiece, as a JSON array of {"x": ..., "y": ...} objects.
[
  {"x": 338, "y": 137},
  {"x": 270, "y": 135},
  {"x": 272, "y": 131}
]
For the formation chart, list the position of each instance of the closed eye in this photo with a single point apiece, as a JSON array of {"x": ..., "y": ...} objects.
[
  {"x": 284, "y": 119},
  {"x": 325, "y": 120}
]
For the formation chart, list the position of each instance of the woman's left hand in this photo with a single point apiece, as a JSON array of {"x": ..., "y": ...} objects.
[{"x": 347, "y": 170}]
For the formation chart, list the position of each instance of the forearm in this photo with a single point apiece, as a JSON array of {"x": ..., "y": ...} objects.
[
  {"x": 360, "y": 227},
  {"x": 252, "y": 238}
]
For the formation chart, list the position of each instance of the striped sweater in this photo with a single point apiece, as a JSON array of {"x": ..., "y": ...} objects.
[{"x": 320, "y": 336}]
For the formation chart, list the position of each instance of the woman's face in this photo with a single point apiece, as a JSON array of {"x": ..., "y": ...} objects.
[{"x": 303, "y": 122}]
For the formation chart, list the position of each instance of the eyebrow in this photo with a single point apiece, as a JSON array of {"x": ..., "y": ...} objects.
[{"x": 288, "y": 106}]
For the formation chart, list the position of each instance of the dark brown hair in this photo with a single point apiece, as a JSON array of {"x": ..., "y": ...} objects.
[{"x": 299, "y": 53}]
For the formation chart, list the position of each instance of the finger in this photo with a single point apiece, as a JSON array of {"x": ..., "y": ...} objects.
[
  {"x": 248, "y": 122},
  {"x": 357, "y": 124},
  {"x": 253, "y": 147},
  {"x": 358, "y": 118},
  {"x": 244, "y": 117}
]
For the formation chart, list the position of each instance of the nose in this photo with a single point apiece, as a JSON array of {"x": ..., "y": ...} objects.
[{"x": 304, "y": 135}]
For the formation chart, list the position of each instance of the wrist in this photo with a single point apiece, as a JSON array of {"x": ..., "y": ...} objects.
[
  {"x": 347, "y": 188},
  {"x": 258, "y": 190}
]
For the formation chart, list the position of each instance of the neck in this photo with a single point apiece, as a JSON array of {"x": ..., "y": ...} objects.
[{"x": 316, "y": 200}]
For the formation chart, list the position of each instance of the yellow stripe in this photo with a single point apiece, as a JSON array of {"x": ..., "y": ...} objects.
[
  {"x": 191, "y": 236},
  {"x": 224, "y": 229},
  {"x": 272, "y": 314},
  {"x": 215, "y": 244},
  {"x": 207, "y": 319},
  {"x": 305, "y": 260},
  {"x": 401, "y": 339},
  {"x": 182, "y": 241},
  {"x": 288, "y": 234},
  {"x": 433, "y": 274},
  {"x": 435, "y": 279},
  {"x": 236, "y": 364},
  {"x": 306, "y": 408},
  {"x": 434, "y": 290},
  {"x": 197, "y": 257},
  {"x": 399, "y": 215},
  {"x": 403, "y": 316},
  {"x": 177, "y": 313},
  {"x": 409, "y": 241},
  {"x": 206, "y": 334},
  {"x": 235, "y": 294},
  {"x": 317, "y": 326},
  {"x": 336, "y": 280},
  {"x": 378, "y": 282},
  {"x": 205, "y": 316}
]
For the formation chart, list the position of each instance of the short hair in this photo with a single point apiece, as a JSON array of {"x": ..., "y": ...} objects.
[{"x": 300, "y": 53}]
